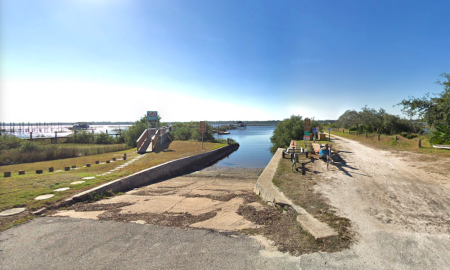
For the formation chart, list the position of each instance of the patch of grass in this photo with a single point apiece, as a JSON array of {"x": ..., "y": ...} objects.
[
  {"x": 36, "y": 152},
  {"x": 300, "y": 189},
  {"x": 20, "y": 190},
  {"x": 11, "y": 221}
]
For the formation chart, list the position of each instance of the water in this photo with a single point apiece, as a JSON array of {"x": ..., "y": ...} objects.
[
  {"x": 254, "y": 150},
  {"x": 63, "y": 130}
]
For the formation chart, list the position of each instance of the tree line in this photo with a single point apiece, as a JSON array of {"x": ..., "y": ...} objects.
[{"x": 431, "y": 111}]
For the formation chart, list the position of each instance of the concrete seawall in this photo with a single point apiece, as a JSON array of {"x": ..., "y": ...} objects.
[
  {"x": 159, "y": 172},
  {"x": 265, "y": 188}
]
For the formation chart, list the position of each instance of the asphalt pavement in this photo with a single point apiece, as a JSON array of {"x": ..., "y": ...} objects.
[{"x": 68, "y": 243}]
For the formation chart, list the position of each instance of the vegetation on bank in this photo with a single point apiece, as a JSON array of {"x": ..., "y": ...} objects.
[
  {"x": 191, "y": 131},
  {"x": 430, "y": 112},
  {"x": 20, "y": 190},
  {"x": 14, "y": 150},
  {"x": 289, "y": 129}
]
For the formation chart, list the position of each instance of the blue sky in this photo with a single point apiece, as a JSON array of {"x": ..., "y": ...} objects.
[{"x": 112, "y": 60}]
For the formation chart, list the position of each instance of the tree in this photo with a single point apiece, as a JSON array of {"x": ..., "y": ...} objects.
[
  {"x": 349, "y": 119},
  {"x": 287, "y": 130},
  {"x": 433, "y": 109}
]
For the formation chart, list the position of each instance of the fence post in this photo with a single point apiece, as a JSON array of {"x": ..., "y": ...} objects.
[
  {"x": 366, "y": 135},
  {"x": 420, "y": 143}
]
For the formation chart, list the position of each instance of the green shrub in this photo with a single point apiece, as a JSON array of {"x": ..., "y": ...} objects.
[
  {"x": 80, "y": 137},
  {"x": 441, "y": 135},
  {"x": 8, "y": 141},
  {"x": 182, "y": 134},
  {"x": 52, "y": 152},
  {"x": 103, "y": 138},
  {"x": 232, "y": 141},
  {"x": 411, "y": 136},
  {"x": 29, "y": 146}
]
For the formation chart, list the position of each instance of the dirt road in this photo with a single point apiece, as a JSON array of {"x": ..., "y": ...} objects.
[{"x": 399, "y": 206}]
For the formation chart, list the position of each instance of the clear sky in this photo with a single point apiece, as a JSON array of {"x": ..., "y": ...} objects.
[{"x": 112, "y": 60}]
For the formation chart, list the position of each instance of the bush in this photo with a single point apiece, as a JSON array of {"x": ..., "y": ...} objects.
[
  {"x": 52, "y": 152},
  {"x": 411, "y": 136},
  {"x": 29, "y": 146},
  {"x": 191, "y": 131},
  {"x": 232, "y": 142},
  {"x": 81, "y": 137},
  {"x": 103, "y": 138},
  {"x": 441, "y": 135},
  {"x": 182, "y": 134},
  {"x": 287, "y": 130},
  {"x": 8, "y": 141}
]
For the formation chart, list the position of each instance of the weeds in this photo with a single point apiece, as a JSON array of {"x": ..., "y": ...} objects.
[{"x": 33, "y": 152}]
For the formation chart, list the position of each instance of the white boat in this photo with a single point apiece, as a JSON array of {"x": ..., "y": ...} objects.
[{"x": 441, "y": 146}]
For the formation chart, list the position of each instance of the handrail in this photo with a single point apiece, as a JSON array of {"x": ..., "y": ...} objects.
[{"x": 155, "y": 137}]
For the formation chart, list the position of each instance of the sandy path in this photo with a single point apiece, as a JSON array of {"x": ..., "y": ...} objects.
[{"x": 400, "y": 212}]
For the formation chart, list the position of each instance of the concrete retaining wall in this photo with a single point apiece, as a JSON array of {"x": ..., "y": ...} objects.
[
  {"x": 160, "y": 172},
  {"x": 264, "y": 186},
  {"x": 271, "y": 194}
]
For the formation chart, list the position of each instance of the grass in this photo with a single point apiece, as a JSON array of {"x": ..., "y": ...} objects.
[
  {"x": 387, "y": 142},
  {"x": 20, "y": 190},
  {"x": 56, "y": 151},
  {"x": 299, "y": 188}
]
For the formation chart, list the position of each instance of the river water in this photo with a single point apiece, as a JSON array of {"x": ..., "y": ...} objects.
[{"x": 254, "y": 149}]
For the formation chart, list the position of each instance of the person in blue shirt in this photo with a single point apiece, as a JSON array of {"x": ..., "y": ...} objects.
[{"x": 324, "y": 152}]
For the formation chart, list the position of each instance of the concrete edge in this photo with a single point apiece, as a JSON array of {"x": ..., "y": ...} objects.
[
  {"x": 158, "y": 172},
  {"x": 265, "y": 188}
]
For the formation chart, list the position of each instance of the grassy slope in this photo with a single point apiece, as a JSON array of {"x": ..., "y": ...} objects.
[{"x": 20, "y": 190}]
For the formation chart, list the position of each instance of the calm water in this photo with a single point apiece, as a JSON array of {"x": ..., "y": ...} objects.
[{"x": 254, "y": 147}]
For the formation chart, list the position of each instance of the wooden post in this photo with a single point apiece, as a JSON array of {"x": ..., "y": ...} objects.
[
  {"x": 420, "y": 143},
  {"x": 56, "y": 137},
  {"x": 366, "y": 135},
  {"x": 31, "y": 135}
]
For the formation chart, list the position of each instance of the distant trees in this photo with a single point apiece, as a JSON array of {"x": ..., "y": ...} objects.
[
  {"x": 370, "y": 120},
  {"x": 191, "y": 131}
]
